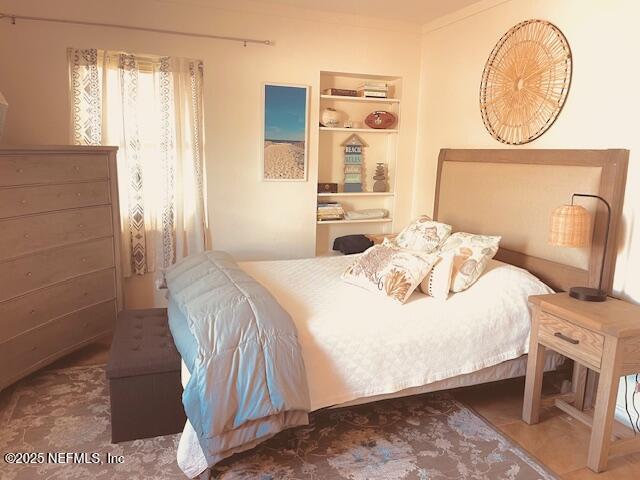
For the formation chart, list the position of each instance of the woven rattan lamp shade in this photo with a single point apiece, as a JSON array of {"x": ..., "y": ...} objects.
[{"x": 570, "y": 226}]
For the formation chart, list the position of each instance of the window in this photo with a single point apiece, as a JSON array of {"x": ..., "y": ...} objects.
[{"x": 151, "y": 108}]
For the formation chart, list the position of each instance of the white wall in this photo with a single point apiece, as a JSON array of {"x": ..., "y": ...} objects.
[
  {"x": 247, "y": 217},
  {"x": 601, "y": 110}
]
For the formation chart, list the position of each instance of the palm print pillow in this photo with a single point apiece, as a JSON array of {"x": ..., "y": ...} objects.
[
  {"x": 390, "y": 271},
  {"x": 423, "y": 234},
  {"x": 471, "y": 255}
]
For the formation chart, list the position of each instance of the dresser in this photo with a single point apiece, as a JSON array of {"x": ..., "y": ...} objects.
[{"x": 60, "y": 282}]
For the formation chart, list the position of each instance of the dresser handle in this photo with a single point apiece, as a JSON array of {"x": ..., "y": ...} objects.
[
  {"x": 28, "y": 274},
  {"x": 562, "y": 336}
]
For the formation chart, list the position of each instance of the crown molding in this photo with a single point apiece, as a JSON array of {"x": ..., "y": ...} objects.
[{"x": 462, "y": 14}]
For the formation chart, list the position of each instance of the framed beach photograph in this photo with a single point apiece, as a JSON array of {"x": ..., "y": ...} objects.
[{"x": 285, "y": 125}]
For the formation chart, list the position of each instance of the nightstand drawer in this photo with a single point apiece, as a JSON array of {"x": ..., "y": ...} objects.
[{"x": 570, "y": 339}]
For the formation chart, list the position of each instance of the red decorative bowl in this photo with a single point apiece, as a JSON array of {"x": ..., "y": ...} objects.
[{"x": 380, "y": 119}]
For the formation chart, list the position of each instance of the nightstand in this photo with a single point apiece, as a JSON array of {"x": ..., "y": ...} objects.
[{"x": 603, "y": 337}]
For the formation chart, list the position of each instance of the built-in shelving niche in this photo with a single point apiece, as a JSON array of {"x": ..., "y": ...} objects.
[{"x": 383, "y": 147}]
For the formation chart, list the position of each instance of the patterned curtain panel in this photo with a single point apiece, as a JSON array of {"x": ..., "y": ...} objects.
[
  {"x": 86, "y": 98},
  {"x": 131, "y": 159},
  {"x": 151, "y": 108}
]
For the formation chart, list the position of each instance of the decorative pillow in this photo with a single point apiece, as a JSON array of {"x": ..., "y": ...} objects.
[
  {"x": 390, "y": 271},
  {"x": 471, "y": 254},
  {"x": 438, "y": 281},
  {"x": 423, "y": 234}
]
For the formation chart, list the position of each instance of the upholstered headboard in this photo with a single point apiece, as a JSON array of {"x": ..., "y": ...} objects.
[{"x": 513, "y": 192}]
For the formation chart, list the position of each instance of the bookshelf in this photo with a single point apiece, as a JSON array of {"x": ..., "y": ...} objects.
[
  {"x": 340, "y": 98},
  {"x": 357, "y": 194},
  {"x": 359, "y": 130},
  {"x": 372, "y": 220},
  {"x": 382, "y": 147}
]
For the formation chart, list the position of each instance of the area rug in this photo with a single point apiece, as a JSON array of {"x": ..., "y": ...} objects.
[{"x": 417, "y": 438}]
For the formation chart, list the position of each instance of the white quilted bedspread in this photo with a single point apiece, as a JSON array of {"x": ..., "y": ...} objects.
[{"x": 357, "y": 344}]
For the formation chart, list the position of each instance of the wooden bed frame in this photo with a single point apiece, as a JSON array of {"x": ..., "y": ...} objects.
[
  {"x": 492, "y": 179},
  {"x": 601, "y": 172},
  {"x": 524, "y": 178},
  {"x": 564, "y": 172}
]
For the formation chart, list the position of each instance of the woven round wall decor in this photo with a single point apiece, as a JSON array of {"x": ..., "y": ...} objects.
[{"x": 525, "y": 82}]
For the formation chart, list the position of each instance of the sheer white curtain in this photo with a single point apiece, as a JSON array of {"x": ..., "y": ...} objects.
[{"x": 151, "y": 108}]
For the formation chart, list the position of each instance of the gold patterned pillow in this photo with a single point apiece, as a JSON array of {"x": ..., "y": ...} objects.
[
  {"x": 423, "y": 234},
  {"x": 471, "y": 255},
  {"x": 390, "y": 271}
]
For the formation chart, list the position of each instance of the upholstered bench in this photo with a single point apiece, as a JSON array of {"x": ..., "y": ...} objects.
[{"x": 144, "y": 377}]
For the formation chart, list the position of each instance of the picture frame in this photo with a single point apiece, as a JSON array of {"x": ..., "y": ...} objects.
[{"x": 284, "y": 146}]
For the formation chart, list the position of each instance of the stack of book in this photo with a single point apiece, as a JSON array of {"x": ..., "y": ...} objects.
[
  {"x": 330, "y": 211},
  {"x": 373, "y": 89}
]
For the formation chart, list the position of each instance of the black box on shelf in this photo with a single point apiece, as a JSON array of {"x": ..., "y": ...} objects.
[{"x": 327, "y": 188}]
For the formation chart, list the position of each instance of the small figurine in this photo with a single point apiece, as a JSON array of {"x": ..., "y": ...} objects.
[{"x": 380, "y": 184}]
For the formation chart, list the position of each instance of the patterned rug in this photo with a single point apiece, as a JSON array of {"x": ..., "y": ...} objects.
[{"x": 417, "y": 438}]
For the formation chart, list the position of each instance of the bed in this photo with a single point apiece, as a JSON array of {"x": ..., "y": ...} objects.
[
  {"x": 360, "y": 348},
  {"x": 357, "y": 346}
]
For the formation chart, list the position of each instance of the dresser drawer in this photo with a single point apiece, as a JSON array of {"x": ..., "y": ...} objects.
[
  {"x": 42, "y": 269},
  {"x": 20, "y": 236},
  {"x": 571, "y": 340},
  {"x": 29, "y": 311},
  {"x": 26, "y": 200},
  {"x": 41, "y": 346},
  {"x": 30, "y": 169}
]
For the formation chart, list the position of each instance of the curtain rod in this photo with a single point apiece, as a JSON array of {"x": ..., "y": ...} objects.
[{"x": 244, "y": 41}]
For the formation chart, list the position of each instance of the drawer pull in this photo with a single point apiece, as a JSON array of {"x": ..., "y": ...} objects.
[
  {"x": 562, "y": 336},
  {"x": 28, "y": 274}
]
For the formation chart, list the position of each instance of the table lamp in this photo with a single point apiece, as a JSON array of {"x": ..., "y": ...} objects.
[{"x": 570, "y": 227}]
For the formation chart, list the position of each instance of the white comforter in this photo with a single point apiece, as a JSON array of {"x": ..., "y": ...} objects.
[{"x": 357, "y": 344}]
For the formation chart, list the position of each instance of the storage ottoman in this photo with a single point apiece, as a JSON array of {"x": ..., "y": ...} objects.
[{"x": 144, "y": 377}]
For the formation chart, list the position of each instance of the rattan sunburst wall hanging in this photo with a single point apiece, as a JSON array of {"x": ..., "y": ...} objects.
[{"x": 525, "y": 82}]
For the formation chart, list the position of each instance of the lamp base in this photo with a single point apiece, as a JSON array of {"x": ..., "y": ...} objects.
[{"x": 588, "y": 294}]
